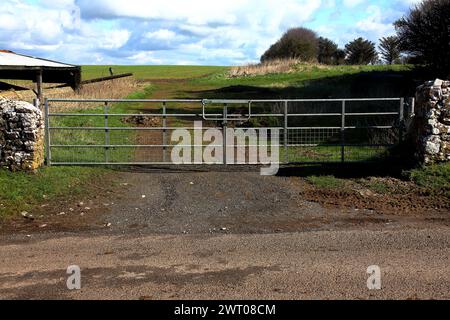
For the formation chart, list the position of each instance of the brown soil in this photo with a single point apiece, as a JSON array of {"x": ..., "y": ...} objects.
[{"x": 400, "y": 197}]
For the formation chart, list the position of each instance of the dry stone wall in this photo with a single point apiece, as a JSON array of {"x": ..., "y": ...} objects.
[
  {"x": 431, "y": 129},
  {"x": 21, "y": 136}
]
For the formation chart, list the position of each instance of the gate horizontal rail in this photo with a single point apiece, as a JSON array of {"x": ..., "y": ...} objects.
[{"x": 315, "y": 142}]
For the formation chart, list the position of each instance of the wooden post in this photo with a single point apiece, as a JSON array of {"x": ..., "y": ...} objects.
[{"x": 39, "y": 88}]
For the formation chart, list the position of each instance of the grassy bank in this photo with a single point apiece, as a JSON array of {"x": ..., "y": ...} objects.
[
  {"x": 313, "y": 81},
  {"x": 24, "y": 191},
  {"x": 435, "y": 178}
]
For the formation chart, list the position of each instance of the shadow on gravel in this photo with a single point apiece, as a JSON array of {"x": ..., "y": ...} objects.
[
  {"x": 185, "y": 168},
  {"x": 347, "y": 170}
]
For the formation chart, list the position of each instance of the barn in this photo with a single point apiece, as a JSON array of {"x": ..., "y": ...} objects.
[{"x": 14, "y": 66}]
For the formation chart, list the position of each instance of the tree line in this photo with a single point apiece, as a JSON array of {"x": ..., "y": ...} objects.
[{"x": 423, "y": 37}]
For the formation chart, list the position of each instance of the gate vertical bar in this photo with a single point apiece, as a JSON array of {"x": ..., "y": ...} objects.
[
  {"x": 224, "y": 128},
  {"x": 164, "y": 123},
  {"x": 48, "y": 154},
  {"x": 285, "y": 133},
  {"x": 107, "y": 134},
  {"x": 343, "y": 132},
  {"x": 401, "y": 115}
]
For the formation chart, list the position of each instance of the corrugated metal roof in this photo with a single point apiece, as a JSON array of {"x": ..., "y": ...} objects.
[{"x": 18, "y": 60}]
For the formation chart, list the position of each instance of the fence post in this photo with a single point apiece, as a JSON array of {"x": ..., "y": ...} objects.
[
  {"x": 107, "y": 134},
  {"x": 343, "y": 132},
  {"x": 164, "y": 123},
  {"x": 285, "y": 132},
  {"x": 401, "y": 115},
  {"x": 48, "y": 154},
  {"x": 413, "y": 107},
  {"x": 224, "y": 128}
]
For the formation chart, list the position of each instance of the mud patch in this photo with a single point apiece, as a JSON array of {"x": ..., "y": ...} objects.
[
  {"x": 395, "y": 197},
  {"x": 143, "y": 121}
]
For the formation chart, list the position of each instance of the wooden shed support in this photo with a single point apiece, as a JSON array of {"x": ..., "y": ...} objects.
[{"x": 39, "y": 90}]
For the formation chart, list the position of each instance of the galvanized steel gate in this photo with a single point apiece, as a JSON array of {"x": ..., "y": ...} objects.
[{"x": 311, "y": 130}]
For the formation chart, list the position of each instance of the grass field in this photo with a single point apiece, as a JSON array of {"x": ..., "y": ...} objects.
[{"x": 152, "y": 72}]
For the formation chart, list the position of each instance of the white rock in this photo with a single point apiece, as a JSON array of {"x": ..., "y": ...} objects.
[{"x": 432, "y": 145}]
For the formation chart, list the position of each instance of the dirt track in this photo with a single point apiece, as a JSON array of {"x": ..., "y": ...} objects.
[{"x": 222, "y": 234}]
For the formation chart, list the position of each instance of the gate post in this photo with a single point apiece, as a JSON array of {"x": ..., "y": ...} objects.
[
  {"x": 48, "y": 154},
  {"x": 107, "y": 135},
  {"x": 401, "y": 119},
  {"x": 164, "y": 123},
  {"x": 285, "y": 135},
  {"x": 224, "y": 129},
  {"x": 343, "y": 132}
]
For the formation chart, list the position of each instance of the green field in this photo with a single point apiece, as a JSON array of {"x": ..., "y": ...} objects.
[{"x": 151, "y": 72}]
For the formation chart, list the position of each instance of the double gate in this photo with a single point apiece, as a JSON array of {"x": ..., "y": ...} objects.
[{"x": 104, "y": 132}]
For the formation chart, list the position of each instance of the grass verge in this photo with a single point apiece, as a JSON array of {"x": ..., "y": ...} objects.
[
  {"x": 22, "y": 191},
  {"x": 326, "y": 182},
  {"x": 435, "y": 178}
]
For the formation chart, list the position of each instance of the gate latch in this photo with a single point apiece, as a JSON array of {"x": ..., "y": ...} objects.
[{"x": 229, "y": 117}]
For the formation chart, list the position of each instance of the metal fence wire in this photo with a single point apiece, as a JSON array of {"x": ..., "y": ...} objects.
[{"x": 310, "y": 130}]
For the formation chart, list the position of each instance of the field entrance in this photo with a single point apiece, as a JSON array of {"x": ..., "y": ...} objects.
[{"x": 167, "y": 132}]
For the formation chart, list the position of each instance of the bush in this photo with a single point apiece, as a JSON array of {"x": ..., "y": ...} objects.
[
  {"x": 434, "y": 177},
  {"x": 425, "y": 33},
  {"x": 296, "y": 43},
  {"x": 361, "y": 51}
]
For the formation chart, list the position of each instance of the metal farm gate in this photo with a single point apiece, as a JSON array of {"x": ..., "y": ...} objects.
[{"x": 103, "y": 132}]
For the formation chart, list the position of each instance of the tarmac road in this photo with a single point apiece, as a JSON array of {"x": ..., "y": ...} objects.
[
  {"x": 224, "y": 235},
  {"x": 311, "y": 265}
]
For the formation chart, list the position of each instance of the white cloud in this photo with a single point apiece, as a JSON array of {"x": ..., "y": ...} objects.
[
  {"x": 374, "y": 25},
  {"x": 352, "y": 3},
  {"x": 171, "y": 31},
  {"x": 161, "y": 34},
  {"x": 145, "y": 57}
]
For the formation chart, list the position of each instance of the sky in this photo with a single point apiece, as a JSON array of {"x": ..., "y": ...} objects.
[{"x": 182, "y": 32}]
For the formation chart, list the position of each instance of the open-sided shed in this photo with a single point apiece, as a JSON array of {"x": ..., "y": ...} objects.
[{"x": 21, "y": 67}]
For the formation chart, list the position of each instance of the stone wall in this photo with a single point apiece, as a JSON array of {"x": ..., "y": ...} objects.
[
  {"x": 21, "y": 136},
  {"x": 431, "y": 126}
]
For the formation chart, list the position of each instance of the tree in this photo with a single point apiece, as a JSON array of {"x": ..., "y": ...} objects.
[
  {"x": 340, "y": 56},
  {"x": 424, "y": 33},
  {"x": 361, "y": 51},
  {"x": 296, "y": 43},
  {"x": 390, "y": 49},
  {"x": 327, "y": 51}
]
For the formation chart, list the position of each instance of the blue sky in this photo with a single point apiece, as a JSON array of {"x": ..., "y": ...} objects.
[{"x": 195, "y": 32}]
